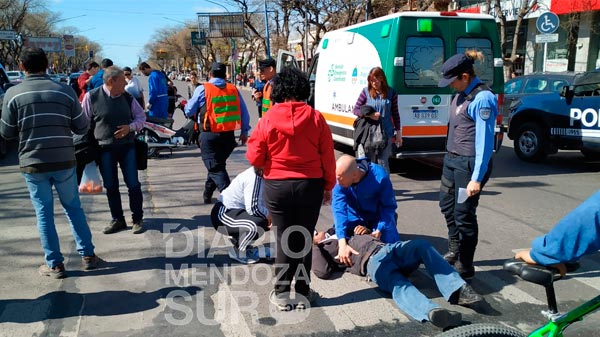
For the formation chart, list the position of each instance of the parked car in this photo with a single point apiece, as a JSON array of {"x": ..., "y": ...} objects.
[
  {"x": 531, "y": 84},
  {"x": 15, "y": 76},
  {"x": 5, "y": 83},
  {"x": 570, "y": 120}
]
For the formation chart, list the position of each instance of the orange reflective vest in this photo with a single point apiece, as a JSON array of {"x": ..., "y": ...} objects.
[
  {"x": 223, "y": 112},
  {"x": 266, "y": 98}
]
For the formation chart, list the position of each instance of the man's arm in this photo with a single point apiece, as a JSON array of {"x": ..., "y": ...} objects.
[
  {"x": 79, "y": 122},
  {"x": 574, "y": 236},
  {"x": 387, "y": 201},
  {"x": 138, "y": 115},
  {"x": 196, "y": 102},
  {"x": 8, "y": 124}
]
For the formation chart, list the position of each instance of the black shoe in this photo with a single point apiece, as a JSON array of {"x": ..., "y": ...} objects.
[
  {"x": 115, "y": 226},
  {"x": 467, "y": 296},
  {"x": 466, "y": 272},
  {"x": 443, "y": 318},
  {"x": 207, "y": 201},
  {"x": 138, "y": 227},
  {"x": 451, "y": 257}
]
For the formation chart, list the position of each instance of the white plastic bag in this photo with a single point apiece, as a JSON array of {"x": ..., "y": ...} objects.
[{"x": 90, "y": 180}]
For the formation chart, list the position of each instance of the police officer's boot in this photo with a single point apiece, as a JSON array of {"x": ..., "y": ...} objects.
[
  {"x": 453, "y": 250},
  {"x": 464, "y": 265}
]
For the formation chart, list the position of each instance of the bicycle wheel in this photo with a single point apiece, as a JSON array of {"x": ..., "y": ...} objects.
[{"x": 483, "y": 330}]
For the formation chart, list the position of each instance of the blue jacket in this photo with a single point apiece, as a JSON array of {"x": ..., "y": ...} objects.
[
  {"x": 577, "y": 234},
  {"x": 157, "y": 94},
  {"x": 96, "y": 80},
  {"x": 370, "y": 203}
]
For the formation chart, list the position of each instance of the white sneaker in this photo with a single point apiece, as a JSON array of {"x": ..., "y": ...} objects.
[{"x": 249, "y": 256}]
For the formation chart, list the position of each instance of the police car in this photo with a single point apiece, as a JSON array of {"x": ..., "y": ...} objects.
[{"x": 542, "y": 124}]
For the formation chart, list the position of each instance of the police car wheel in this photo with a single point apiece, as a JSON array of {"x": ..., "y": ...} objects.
[{"x": 530, "y": 144}]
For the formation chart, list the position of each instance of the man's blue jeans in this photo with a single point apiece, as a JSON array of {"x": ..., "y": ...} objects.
[
  {"x": 122, "y": 155},
  {"x": 40, "y": 191},
  {"x": 388, "y": 267}
]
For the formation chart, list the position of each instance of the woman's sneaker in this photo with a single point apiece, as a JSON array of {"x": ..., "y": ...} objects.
[
  {"x": 304, "y": 302},
  {"x": 281, "y": 301},
  {"x": 248, "y": 256}
]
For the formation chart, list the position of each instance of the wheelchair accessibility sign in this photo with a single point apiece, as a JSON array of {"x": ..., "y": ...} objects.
[{"x": 547, "y": 23}]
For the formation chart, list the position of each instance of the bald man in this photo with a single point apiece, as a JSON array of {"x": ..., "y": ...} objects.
[{"x": 363, "y": 202}]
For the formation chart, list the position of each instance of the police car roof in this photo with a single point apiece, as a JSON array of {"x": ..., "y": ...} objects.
[{"x": 590, "y": 77}]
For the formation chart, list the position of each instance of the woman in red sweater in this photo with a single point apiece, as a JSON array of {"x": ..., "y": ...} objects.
[{"x": 292, "y": 144}]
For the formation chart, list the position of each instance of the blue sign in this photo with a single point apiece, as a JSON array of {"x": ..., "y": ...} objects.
[{"x": 547, "y": 23}]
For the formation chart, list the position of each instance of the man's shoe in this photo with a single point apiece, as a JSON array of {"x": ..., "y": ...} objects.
[
  {"x": 443, "y": 318},
  {"x": 207, "y": 201},
  {"x": 451, "y": 257},
  {"x": 306, "y": 301},
  {"x": 90, "y": 262},
  {"x": 54, "y": 272},
  {"x": 466, "y": 272},
  {"x": 249, "y": 256},
  {"x": 281, "y": 301},
  {"x": 137, "y": 227},
  {"x": 468, "y": 297},
  {"x": 115, "y": 226}
]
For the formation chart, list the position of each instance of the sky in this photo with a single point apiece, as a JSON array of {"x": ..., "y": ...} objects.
[{"x": 123, "y": 27}]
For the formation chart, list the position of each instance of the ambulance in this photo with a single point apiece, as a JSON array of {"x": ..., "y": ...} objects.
[{"x": 410, "y": 47}]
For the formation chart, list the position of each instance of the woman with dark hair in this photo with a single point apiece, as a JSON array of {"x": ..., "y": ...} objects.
[
  {"x": 382, "y": 100},
  {"x": 292, "y": 144}
]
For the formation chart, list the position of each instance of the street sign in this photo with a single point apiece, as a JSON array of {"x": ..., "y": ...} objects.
[
  {"x": 198, "y": 38},
  {"x": 8, "y": 35},
  {"x": 546, "y": 38},
  {"x": 547, "y": 23}
]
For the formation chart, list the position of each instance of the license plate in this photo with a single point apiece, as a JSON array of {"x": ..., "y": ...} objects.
[{"x": 425, "y": 114}]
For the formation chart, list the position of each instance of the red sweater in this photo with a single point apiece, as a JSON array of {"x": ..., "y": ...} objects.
[{"x": 293, "y": 141}]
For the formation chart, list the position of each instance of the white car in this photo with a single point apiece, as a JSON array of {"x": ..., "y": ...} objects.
[{"x": 15, "y": 76}]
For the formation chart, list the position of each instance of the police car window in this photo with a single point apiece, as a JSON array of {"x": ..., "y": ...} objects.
[
  {"x": 591, "y": 89},
  {"x": 535, "y": 86},
  {"x": 423, "y": 63},
  {"x": 513, "y": 87},
  {"x": 484, "y": 69},
  {"x": 557, "y": 85}
]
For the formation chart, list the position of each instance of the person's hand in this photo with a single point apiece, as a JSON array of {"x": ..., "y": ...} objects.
[
  {"x": 398, "y": 141},
  {"x": 243, "y": 139},
  {"x": 122, "y": 131},
  {"x": 257, "y": 95},
  {"x": 326, "y": 197},
  {"x": 360, "y": 230},
  {"x": 344, "y": 253},
  {"x": 473, "y": 188},
  {"x": 374, "y": 116},
  {"x": 269, "y": 223},
  {"x": 376, "y": 234},
  {"x": 525, "y": 255}
]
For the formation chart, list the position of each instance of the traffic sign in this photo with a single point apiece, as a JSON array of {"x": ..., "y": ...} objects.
[
  {"x": 546, "y": 38},
  {"x": 547, "y": 23},
  {"x": 8, "y": 35}
]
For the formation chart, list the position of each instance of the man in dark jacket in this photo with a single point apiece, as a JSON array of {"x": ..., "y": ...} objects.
[
  {"x": 42, "y": 114},
  {"x": 388, "y": 265}
]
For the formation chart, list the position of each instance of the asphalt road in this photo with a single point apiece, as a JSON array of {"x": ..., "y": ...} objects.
[{"x": 176, "y": 279}]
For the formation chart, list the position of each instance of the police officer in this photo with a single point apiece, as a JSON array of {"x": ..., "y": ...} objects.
[
  {"x": 225, "y": 113},
  {"x": 468, "y": 162},
  {"x": 267, "y": 70}
]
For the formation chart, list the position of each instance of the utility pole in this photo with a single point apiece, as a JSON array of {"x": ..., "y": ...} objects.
[{"x": 268, "y": 39}]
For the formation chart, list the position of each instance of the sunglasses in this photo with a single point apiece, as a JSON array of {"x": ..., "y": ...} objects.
[{"x": 127, "y": 74}]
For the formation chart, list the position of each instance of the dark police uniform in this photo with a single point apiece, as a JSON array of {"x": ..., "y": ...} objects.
[{"x": 469, "y": 158}]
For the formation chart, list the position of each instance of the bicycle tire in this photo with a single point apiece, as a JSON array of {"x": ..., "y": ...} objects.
[{"x": 483, "y": 330}]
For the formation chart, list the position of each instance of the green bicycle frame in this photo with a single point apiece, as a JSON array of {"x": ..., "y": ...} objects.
[{"x": 555, "y": 327}]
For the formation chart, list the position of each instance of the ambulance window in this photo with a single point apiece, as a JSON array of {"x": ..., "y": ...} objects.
[
  {"x": 485, "y": 69},
  {"x": 423, "y": 64}
]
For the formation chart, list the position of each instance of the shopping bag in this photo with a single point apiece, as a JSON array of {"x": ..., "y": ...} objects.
[
  {"x": 90, "y": 180},
  {"x": 141, "y": 154}
]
